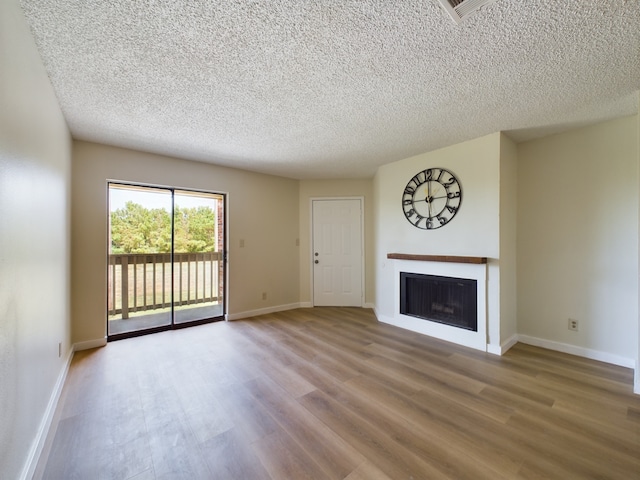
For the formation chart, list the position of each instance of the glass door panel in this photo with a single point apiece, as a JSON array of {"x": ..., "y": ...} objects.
[
  {"x": 198, "y": 264},
  {"x": 139, "y": 266}
]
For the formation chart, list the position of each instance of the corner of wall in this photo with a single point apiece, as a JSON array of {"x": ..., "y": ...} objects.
[
  {"x": 508, "y": 227},
  {"x": 636, "y": 383},
  {"x": 561, "y": 251},
  {"x": 347, "y": 188}
]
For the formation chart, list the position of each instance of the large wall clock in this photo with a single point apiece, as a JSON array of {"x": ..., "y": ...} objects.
[{"x": 432, "y": 198}]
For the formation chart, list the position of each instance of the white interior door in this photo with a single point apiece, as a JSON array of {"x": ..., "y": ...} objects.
[{"x": 337, "y": 252}]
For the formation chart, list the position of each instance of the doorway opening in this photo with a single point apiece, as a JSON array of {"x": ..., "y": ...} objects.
[{"x": 166, "y": 265}]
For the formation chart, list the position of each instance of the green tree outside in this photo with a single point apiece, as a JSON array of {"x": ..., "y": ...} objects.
[{"x": 136, "y": 229}]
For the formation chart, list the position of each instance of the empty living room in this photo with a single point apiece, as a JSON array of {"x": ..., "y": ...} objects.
[{"x": 327, "y": 240}]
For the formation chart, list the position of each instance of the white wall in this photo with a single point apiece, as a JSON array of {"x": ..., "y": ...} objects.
[
  {"x": 474, "y": 231},
  {"x": 34, "y": 246},
  {"x": 577, "y": 248},
  {"x": 508, "y": 235},
  {"x": 335, "y": 188},
  {"x": 263, "y": 211}
]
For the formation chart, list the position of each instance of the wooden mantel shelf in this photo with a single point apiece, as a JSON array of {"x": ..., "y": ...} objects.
[{"x": 437, "y": 258}]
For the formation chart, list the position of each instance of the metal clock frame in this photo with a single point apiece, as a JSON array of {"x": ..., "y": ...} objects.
[{"x": 425, "y": 209}]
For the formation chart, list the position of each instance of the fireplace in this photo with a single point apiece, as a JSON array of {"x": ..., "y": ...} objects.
[
  {"x": 447, "y": 300},
  {"x": 412, "y": 269}
]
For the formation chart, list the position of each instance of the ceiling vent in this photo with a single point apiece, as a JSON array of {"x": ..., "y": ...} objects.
[{"x": 461, "y": 9}]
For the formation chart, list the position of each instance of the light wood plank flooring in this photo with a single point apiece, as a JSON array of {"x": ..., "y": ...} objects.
[{"x": 329, "y": 393}]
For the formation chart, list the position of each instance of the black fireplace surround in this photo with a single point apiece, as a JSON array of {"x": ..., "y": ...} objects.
[{"x": 448, "y": 300}]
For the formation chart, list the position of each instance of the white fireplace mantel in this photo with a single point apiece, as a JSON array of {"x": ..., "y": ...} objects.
[{"x": 473, "y": 268}]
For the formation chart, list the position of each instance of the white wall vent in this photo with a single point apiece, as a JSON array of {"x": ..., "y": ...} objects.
[{"x": 461, "y": 9}]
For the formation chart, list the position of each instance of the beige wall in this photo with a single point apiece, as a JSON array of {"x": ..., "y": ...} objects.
[
  {"x": 35, "y": 157},
  {"x": 577, "y": 248},
  {"x": 263, "y": 212},
  {"x": 335, "y": 188}
]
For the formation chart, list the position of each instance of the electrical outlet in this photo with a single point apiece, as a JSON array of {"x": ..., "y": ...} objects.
[
  {"x": 264, "y": 295},
  {"x": 573, "y": 324},
  {"x": 241, "y": 243}
]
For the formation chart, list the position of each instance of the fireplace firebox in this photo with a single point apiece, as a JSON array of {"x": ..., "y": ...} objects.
[{"x": 447, "y": 300}]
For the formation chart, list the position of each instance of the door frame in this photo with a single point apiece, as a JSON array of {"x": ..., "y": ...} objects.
[
  {"x": 225, "y": 257},
  {"x": 360, "y": 198}
]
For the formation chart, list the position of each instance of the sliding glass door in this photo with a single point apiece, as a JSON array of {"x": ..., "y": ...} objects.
[
  {"x": 198, "y": 256},
  {"x": 166, "y": 259}
]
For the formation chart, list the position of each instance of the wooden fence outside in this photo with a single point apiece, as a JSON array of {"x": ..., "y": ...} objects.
[{"x": 142, "y": 281}]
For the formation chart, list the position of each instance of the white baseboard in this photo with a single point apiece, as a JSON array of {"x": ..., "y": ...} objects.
[
  {"x": 279, "y": 308},
  {"x": 369, "y": 305},
  {"x": 382, "y": 318},
  {"x": 379, "y": 316},
  {"x": 494, "y": 349},
  {"x": 45, "y": 425},
  {"x": 579, "y": 351},
  {"x": 99, "y": 342},
  {"x": 503, "y": 347},
  {"x": 263, "y": 311}
]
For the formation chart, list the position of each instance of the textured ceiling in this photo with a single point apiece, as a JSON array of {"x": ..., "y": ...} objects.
[{"x": 332, "y": 88}]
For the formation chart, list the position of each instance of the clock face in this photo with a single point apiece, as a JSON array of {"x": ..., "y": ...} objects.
[{"x": 432, "y": 198}]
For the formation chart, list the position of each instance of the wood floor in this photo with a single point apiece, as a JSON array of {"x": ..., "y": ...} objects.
[{"x": 329, "y": 393}]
